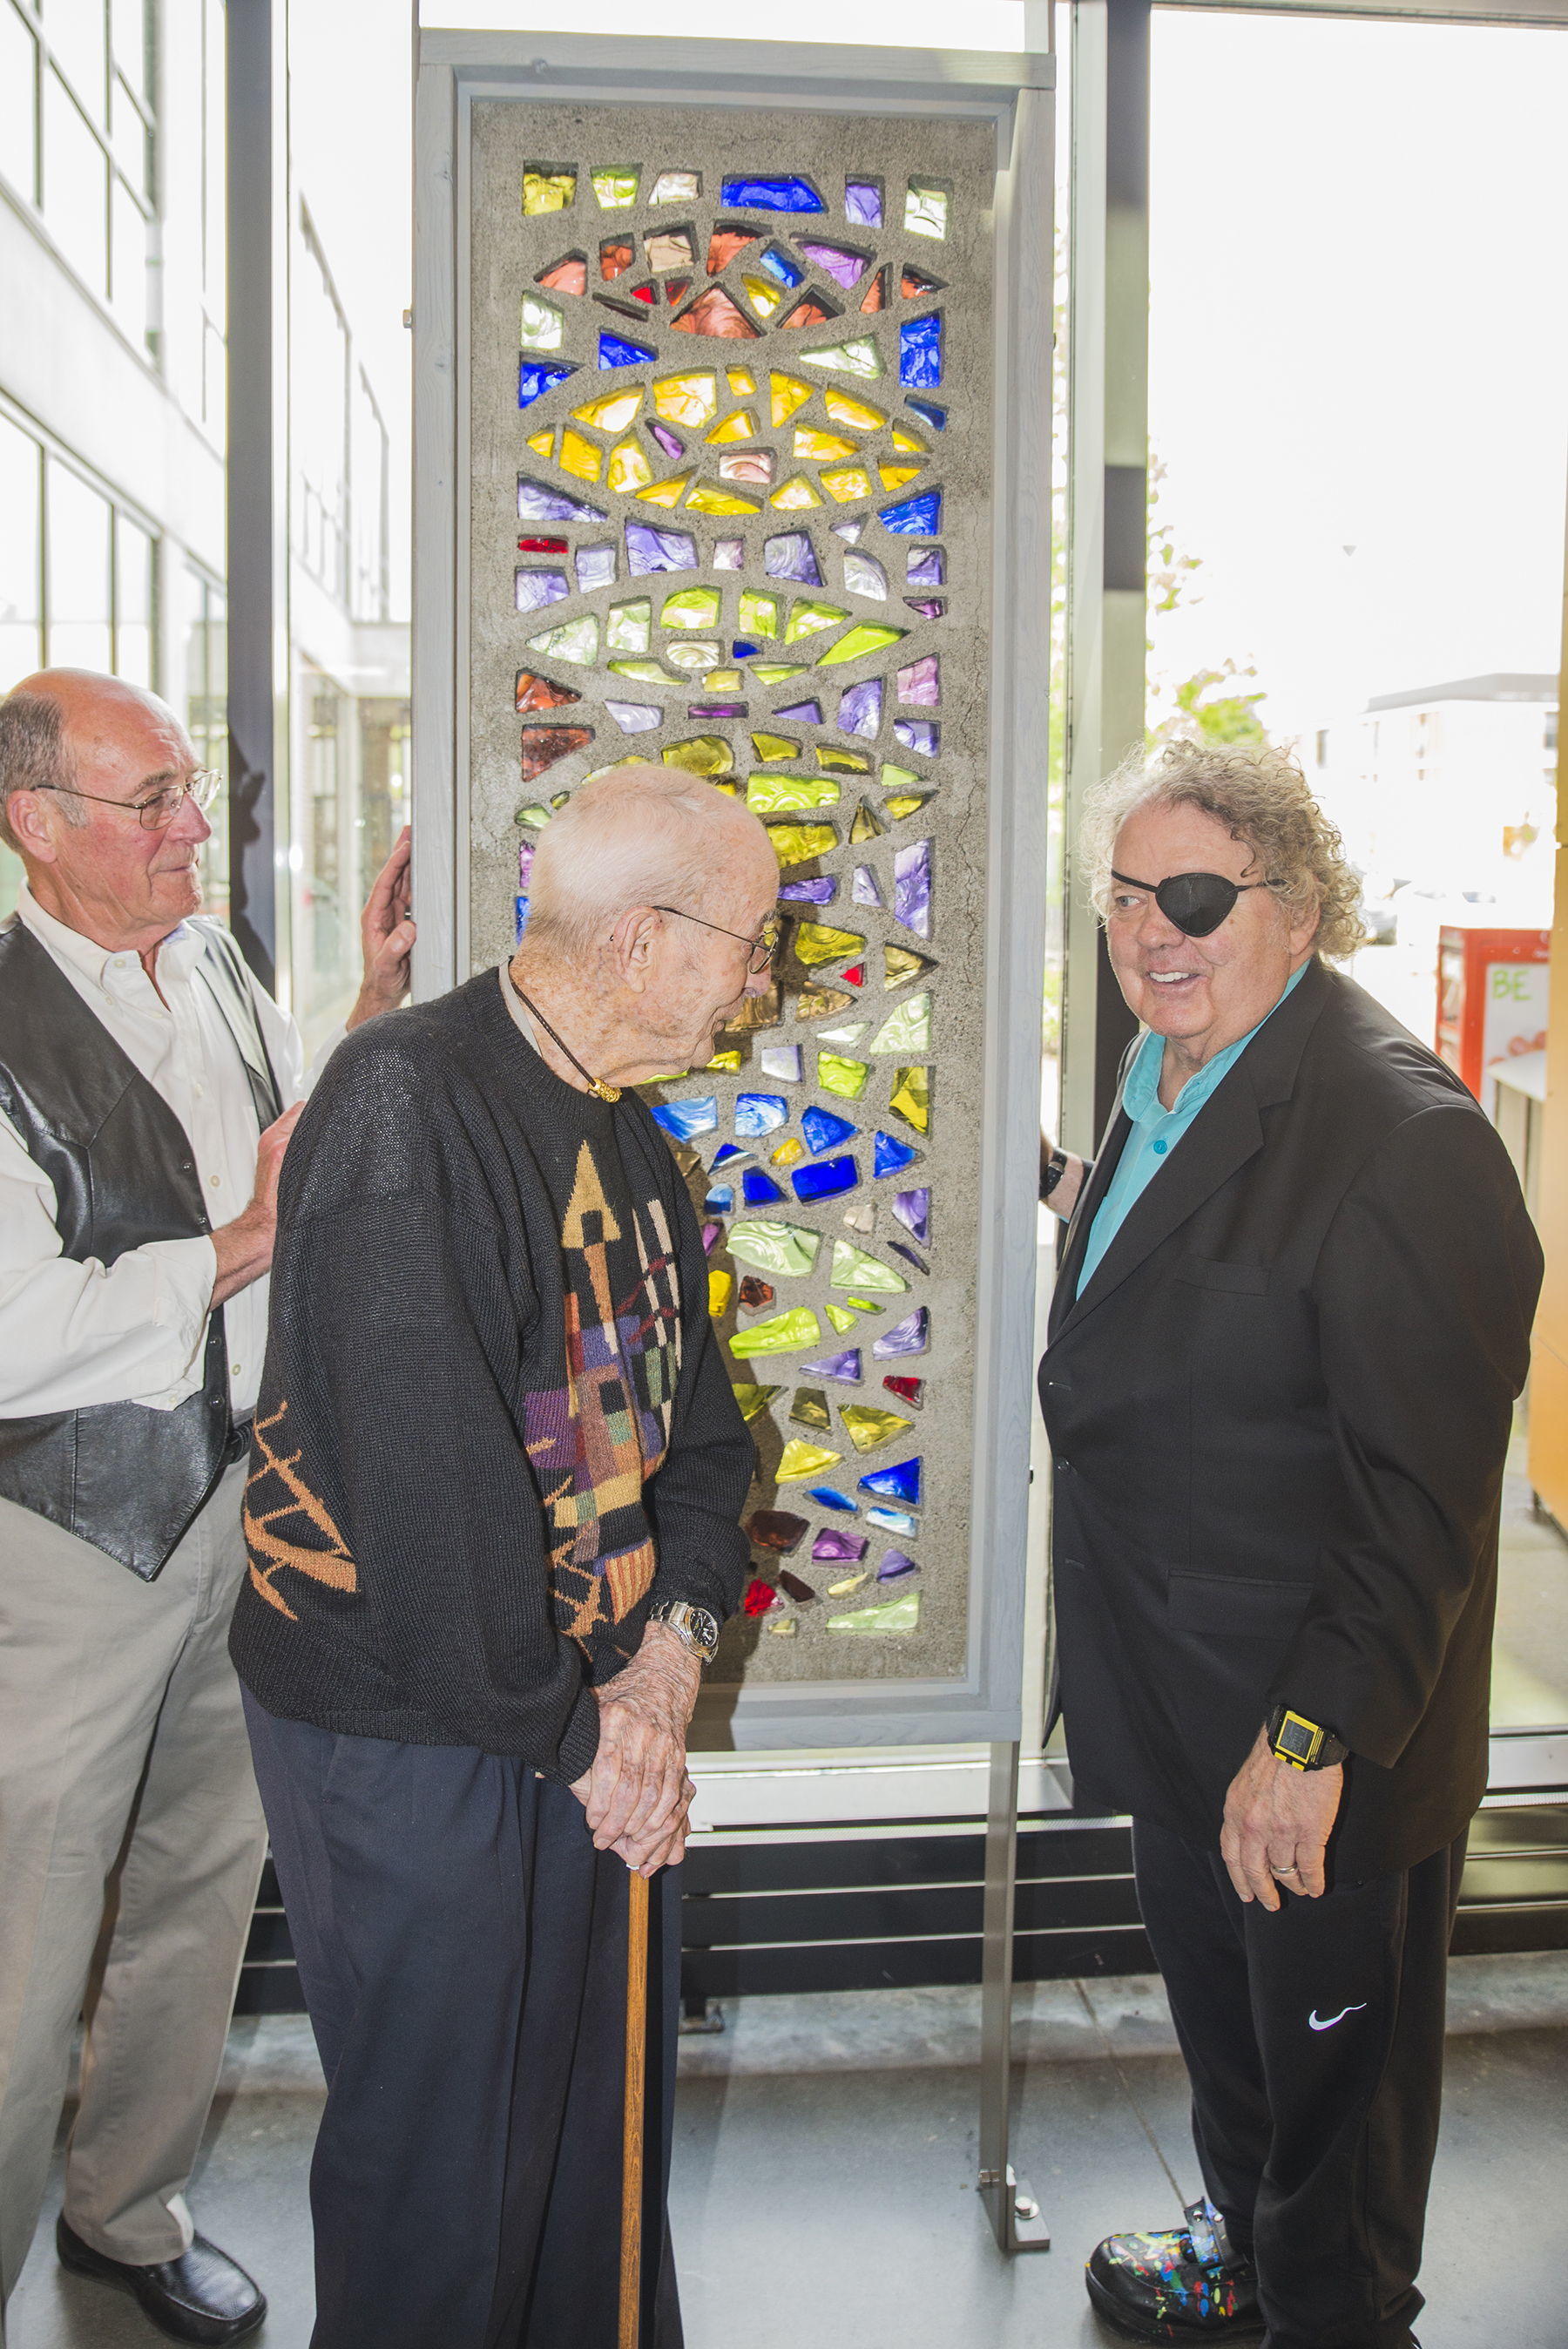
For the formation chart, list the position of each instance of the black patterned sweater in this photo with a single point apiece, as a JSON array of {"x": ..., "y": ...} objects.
[{"x": 494, "y": 1423}]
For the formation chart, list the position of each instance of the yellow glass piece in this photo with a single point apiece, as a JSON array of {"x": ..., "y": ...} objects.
[
  {"x": 730, "y": 790},
  {"x": 723, "y": 1061},
  {"x": 547, "y": 191},
  {"x": 666, "y": 494},
  {"x": 707, "y": 499},
  {"x": 864, "y": 826},
  {"x": 794, "y": 495},
  {"x": 893, "y": 477},
  {"x": 689, "y": 400},
  {"x": 823, "y": 447},
  {"x": 902, "y": 963},
  {"x": 703, "y": 754},
  {"x": 764, "y": 297},
  {"x": 790, "y": 1152},
  {"x": 842, "y": 1320},
  {"x": 846, "y": 482},
  {"x": 759, "y": 618},
  {"x": 842, "y": 763},
  {"x": 753, "y": 1400},
  {"x": 867, "y": 1427},
  {"x": 773, "y": 746},
  {"x": 691, "y": 607},
  {"x": 783, "y": 1334},
  {"x": 580, "y": 456},
  {"x": 611, "y": 414},
  {"x": 723, "y": 680},
  {"x": 863, "y": 1304},
  {"x": 793, "y": 843},
  {"x": 902, "y": 438},
  {"x": 776, "y": 672},
  {"x": 789, "y": 393},
  {"x": 741, "y": 424},
  {"x": 809, "y": 618},
  {"x": 858, "y": 414},
  {"x": 543, "y": 443},
  {"x": 628, "y": 469},
  {"x": 869, "y": 638},
  {"x": 787, "y": 1627},
  {"x": 910, "y": 1096},
  {"x": 821, "y": 1002},
  {"x": 837, "y": 1074},
  {"x": 815, "y": 942},
  {"x": 720, "y": 1288},
  {"x": 901, "y": 805},
  {"x": 799, "y": 1460},
  {"x": 615, "y": 189},
  {"x": 842, "y": 1588},
  {"x": 787, "y": 794}
]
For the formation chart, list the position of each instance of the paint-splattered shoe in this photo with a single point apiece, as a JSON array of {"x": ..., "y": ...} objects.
[{"x": 1190, "y": 2284}]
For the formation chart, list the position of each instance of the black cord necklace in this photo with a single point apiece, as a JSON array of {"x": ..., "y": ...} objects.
[{"x": 596, "y": 1085}]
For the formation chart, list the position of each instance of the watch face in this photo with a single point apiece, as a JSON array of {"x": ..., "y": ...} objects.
[{"x": 1296, "y": 1739}]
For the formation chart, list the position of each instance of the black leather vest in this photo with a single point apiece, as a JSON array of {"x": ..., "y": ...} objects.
[{"x": 126, "y": 1478}]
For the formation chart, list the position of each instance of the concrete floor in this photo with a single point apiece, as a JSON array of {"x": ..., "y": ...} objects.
[{"x": 825, "y": 2160}]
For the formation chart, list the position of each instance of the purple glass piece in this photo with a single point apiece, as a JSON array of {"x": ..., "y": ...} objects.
[
  {"x": 926, "y": 567},
  {"x": 537, "y": 501},
  {"x": 859, "y": 708},
  {"x": 913, "y": 1209},
  {"x": 716, "y": 710},
  {"x": 729, "y": 553},
  {"x": 909, "y": 1256},
  {"x": 919, "y": 685},
  {"x": 802, "y": 713},
  {"x": 911, "y": 887},
  {"x": 863, "y": 203},
  {"x": 918, "y": 734},
  {"x": 635, "y": 717},
  {"x": 863, "y": 888},
  {"x": 792, "y": 556},
  {"x": 932, "y": 610},
  {"x": 895, "y": 1563},
  {"x": 666, "y": 438},
  {"x": 910, "y": 1336},
  {"x": 832, "y": 1547},
  {"x": 846, "y": 268},
  {"x": 845, "y": 1367},
  {"x": 826, "y": 1179},
  {"x": 710, "y": 1233},
  {"x": 850, "y": 531},
  {"x": 820, "y": 892},
  {"x": 595, "y": 567},
  {"x": 648, "y": 549},
  {"x": 525, "y": 849},
  {"x": 537, "y": 588}
]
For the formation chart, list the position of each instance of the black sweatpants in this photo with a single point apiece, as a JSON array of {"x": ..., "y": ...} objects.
[
  {"x": 462, "y": 1949},
  {"x": 1314, "y": 2041}
]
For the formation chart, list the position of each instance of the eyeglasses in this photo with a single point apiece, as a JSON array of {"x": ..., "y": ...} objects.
[
  {"x": 764, "y": 945},
  {"x": 1197, "y": 903},
  {"x": 158, "y": 811}
]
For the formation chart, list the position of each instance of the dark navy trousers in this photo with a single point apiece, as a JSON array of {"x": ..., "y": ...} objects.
[
  {"x": 462, "y": 1948},
  {"x": 1313, "y": 2037}
]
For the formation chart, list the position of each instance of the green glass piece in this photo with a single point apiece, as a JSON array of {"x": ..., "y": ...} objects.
[
  {"x": 703, "y": 754},
  {"x": 864, "y": 1305},
  {"x": 797, "y": 844},
  {"x": 864, "y": 826},
  {"x": 902, "y": 963},
  {"x": 574, "y": 640},
  {"x": 860, "y": 358},
  {"x": 776, "y": 672},
  {"x": 851, "y": 1034},
  {"x": 867, "y": 1427},
  {"x": 647, "y": 672},
  {"x": 629, "y": 627},
  {"x": 869, "y": 638},
  {"x": 798, "y": 1460},
  {"x": 895, "y": 1615},
  {"x": 841, "y": 1321},
  {"x": 815, "y": 942},
  {"x": 615, "y": 189},
  {"x": 842, "y": 763},
  {"x": 693, "y": 608},
  {"x": 541, "y": 325},
  {"x": 786, "y": 1250},
  {"x": 534, "y": 815},
  {"x": 808, "y": 619},
  {"x": 924, "y": 210},
  {"x": 836, "y": 1074},
  {"x": 544, "y": 190},
  {"x": 758, "y": 614},
  {"x": 907, "y": 1029},
  {"x": 898, "y": 779},
  {"x": 784, "y": 1333},
  {"x": 773, "y": 746},
  {"x": 754, "y": 1401},
  {"x": 911, "y": 1098},
  {"x": 784, "y": 794},
  {"x": 853, "y": 1269},
  {"x": 809, "y": 1409}
]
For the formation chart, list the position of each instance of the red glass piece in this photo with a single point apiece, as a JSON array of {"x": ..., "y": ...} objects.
[
  {"x": 799, "y": 1590},
  {"x": 755, "y": 1294},
  {"x": 909, "y": 1391},
  {"x": 539, "y": 692},
  {"x": 542, "y": 546},
  {"x": 676, "y": 289},
  {"x": 875, "y": 295},
  {"x": 915, "y": 281},
  {"x": 855, "y": 975},
  {"x": 649, "y": 294},
  {"x": 714, "y": 313},
  {"x": 568, "y": 276},
  {"x": 543, "y": 745},
  {"x": 760, "y": 1598},
  {"x": 808, "y": 312},
  {"x": 615, "y": 257},
  {"x": 724, "y": 244}
]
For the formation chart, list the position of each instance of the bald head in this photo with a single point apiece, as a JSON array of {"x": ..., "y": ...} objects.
[{"x": 643, "y": 835}]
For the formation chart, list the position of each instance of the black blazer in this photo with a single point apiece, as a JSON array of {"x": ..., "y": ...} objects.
[{"x": 1279, "y": 1413}]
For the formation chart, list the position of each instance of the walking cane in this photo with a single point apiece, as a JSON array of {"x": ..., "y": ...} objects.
[{"x": 633, "y": 2113}]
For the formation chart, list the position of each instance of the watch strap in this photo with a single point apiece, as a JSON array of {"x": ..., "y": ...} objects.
[
  {"x": 694, "y": 1627},
  {"x": 1304, "y": 1744}
]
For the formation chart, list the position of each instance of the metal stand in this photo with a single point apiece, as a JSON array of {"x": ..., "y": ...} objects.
[{"x": 1015, "y": 2213}]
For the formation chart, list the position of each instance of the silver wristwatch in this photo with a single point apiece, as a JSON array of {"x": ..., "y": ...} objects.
[{"x": 694, "y": 1627}]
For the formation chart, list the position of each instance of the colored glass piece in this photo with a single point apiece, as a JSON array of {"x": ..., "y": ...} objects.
[
  {"x": 928, "y": 607},
  {"x": 782, "y": 1626},
  {"x": 863, "y": 575},
  {"x": 913, "y": 1209},
  {"x": 910, "y": 1336},
  {"x": 753, "y": 1400},
  {"x": 844, "y": 1368},
  {"x": 853, "y": 1269},
  {"x": 893, "y": 477},
  {"x": 836, "y": 261},
  {"x": 649, "y": 549},
  {"x": 911, "y": 1098},
  {"x": 684, "y": 1120},
  {"x": 573, "y": 640},
  {"x": 898, "y": 1484},
  {"x": 741, "y": 382},
  {"x": 796, "y": 496},
  {"x": 815, "y": 1003},
  {"x": 543, "y": 745},
  {"x": 769, "y": 746},
  {"x": 869, "y": 636},
  {"x": 844, "y": 483},
  {"x": 844, "y": 1035},
  {"x": 760, "y": 1598},
  {"x": 919, "y": 685},
  {"x": 820, "y": 889},
  {"x": 853, "y": 976},
  {"x": 595, "y": 567},
  {"x": 841, "y": 761},
  {"x": 690, "y": 607},
  {"x": 567, "y": 276},
  {"x": 688, "y": 400},
  {"x": 905, "y": 1029},
  {"x": 701, "y": 754},
  {"x": 785, "y": 1333},
  {"x": 539, "y": 693},
  {"x": 543, "y": 443},
  {"x": 796, "y": 843},
  {"x": 802, "y": 1592},
  {"x": 537, "y": 502},
  {"x": 834, "y": 1547},
  {"x": 874, "y": 298},
  {"x": 925, "y": 210},
  {"x": 791, "y": 556},
  {"x": 782, "y": 1060},
  {"x": 617, "y": 255},
  {"x": 728, "y": 1149},
  {"x": 785, "y": 1252},
  {"x": 784, "y": 195},
  {"x": 902, "y": 963},
  {"x": 808, "y": 312},
  {"x": 719, "y": 1285},
  {"x": 909, "y": 1391},
  {"x": 724, "y": 244},
  {"x": 628, "y": 627},
  {"x": 787, "y": 794},
  {"x": 863, "y": 201},
  {"x": 677, "y": 188},
  {"x": 863, "y": 826},
  {"x": 920, "y": 352},
  {"x": 643, "y": 672},
  {"x": 777, "y": 1529},
  {"x": 787, "y": 393},
  {"x": 801, "y": 713},
  {"x": 582, "y": 458},
  {"x": 707, "y": 499},
  {"x": 897, "y": 808},
  {"x": 918, "y": 734},
  {"x": 668, "y": 248},
  {"x": 824, "y": 1179},
  {"x": 764, "y": 298},
  {"x": 891, "y": 1521},
  {"x": 809, "y": 618},
  {"x": 859, "y": 357},
  {"x": 615, "y": 189},
  {"x": 729, "y": 554},
  {"x": 759, "y": 1113},
  {"x": 720, "y": 1199},
  {"x": 936, "y": 417},
  {"x": 908, "y": 1255},
  {"x": 536, "y": 816},
  {"x": 533, "y": 380},
  {"x": 545, "y": 190},
  {"x": 823, "y": 448},
  {"x": 741, "y": 424},
  {"x": 779, "y": 265},
  {"x": 895, "y": 1565},
  {"x": 540, "y": 326},
  {"x": 864, "y": 890},
  {"x": 842, "y": 1320},
  {"x": 911, "y": 887},
  {"x": 837, "y": 1074},
  {"x": 809, "y": 1409},
  {"x": 628, "y": 469},
  {"x": 814, "y": 942},
  {"x": 859, "y": 708},
  {"x": 521, "y": 923},
  {"x": 918, "y": 517},
  {"x": 666, "y": 494},
  {"x": 616, "y": 351},
  {"x": 612, "y": 413},
  {"x": 867, "y": 1426},
  {"x": 714, "y": 313},
  {"x": 789, "y": 1153},
  {"x": 858, "y": 414},
  {"x": 824, "y": 1129},
  {"x": 755, "y": 1294}
]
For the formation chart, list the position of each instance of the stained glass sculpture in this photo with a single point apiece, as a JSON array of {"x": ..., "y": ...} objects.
[
  {"x": 787, "y": 1251},
  {"x": 784, "y": 1333}
]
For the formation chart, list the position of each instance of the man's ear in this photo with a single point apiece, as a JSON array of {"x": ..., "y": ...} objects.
[
  {"x": 31, "y": 822},
  {"x": 632, "y": 942}
]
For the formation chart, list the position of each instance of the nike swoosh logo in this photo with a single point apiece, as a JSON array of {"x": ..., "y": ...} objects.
[{"x": 1317, "y": 2023}]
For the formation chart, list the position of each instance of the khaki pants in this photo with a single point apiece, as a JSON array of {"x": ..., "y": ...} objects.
[{"x": 132, "y": 1841}]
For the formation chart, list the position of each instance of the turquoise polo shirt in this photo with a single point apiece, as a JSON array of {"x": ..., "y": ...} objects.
[{"x": 1157, "y": 1131}]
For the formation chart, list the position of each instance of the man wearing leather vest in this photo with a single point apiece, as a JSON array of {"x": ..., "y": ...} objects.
[{"x": 147, "y": 1088}]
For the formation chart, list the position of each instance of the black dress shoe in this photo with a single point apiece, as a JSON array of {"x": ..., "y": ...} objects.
[
  {"x": 1187, "y": 2285},
  {"x": 202, "y": 2296}
]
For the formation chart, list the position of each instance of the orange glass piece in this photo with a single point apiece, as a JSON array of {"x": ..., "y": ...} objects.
[
  {"x": 569, "y": 275},
  {"x": 714, "y": 313},
  {"x": 915, "y": 281},
  {"x": 615, "y": 257},
  {"x": 676, "y": 289},
  {"x": 808, "y": 312},
  {"x": 538, "y": 692},
  {"x": 724, "y": 244},
  {"x": 876, "y": 296}
]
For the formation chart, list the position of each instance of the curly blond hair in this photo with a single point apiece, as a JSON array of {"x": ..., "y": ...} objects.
[{"x": 1262, "y": 798}]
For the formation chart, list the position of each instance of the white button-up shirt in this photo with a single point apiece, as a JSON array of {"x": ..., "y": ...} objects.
[{"x": 72, "y": 1335}]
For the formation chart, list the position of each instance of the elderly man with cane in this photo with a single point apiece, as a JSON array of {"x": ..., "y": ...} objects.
[
  {"x": 148, "y": 1087},
  {"x": 492, "y": 1520},
  {"x": 1292, "y": 1318}
]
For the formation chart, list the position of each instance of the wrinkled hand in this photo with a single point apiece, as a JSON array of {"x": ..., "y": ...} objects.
[
  {"x": 637, "y": 1795},
  {"x": 1277, "y": 1822},
  {"x": 243, "y": 1248},
  {"x": 386, "y": 934}
]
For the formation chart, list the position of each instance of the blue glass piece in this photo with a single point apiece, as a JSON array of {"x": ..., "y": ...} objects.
[
  {"x": 824, "y": 1130},
  {"x": 821, "y": 891},
  {"x": 909, "y": 1256},
  {"x": 650, "y": 549},
  {"x": 522, "y": 918},
  {"x": 721, "y": 1200},
  {"x": 895, "y": 1565},
  {"x": 778, "y": 264},
  {"x": 899, "y": 1484},
  {"x": 801, "y": 713},
  {"x": 773, "y": 196},
  {"x": 743, "y": 651},
  {"x": 918, "y": 517},
  {"x": 893, "y": 1521},
  {"x": 936, "y": 417},
  {"x": 761, "y": 1189},
  {"x": 728, "y": 1149},
  {"x": 533, "y": 380},
  {"x": 539, "y": 501},
  {"x": 757, "y": 1113},
  {"x": 684, "y": 1119},
  {"x": 826, "y": 1179},
  {"x": 845, "y": 1367},
  {"x": 888, "y": 1157},
  {"x": 828, "y": 1498},
  {"x": 615, "y": 351},
  {"x": 926, "y": 567},
  {"x": 921, "y": 735},
  {"x": 918, "y": 351}
]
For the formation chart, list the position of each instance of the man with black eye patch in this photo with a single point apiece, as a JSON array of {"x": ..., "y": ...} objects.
[{"x": 1291, "y": 1321}]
